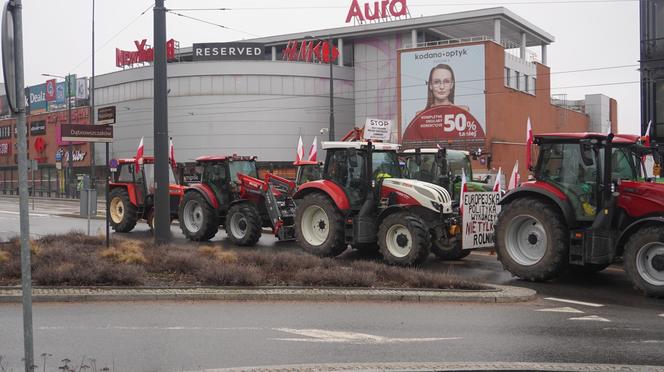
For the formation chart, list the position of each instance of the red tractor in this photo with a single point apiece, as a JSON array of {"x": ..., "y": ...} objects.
[
  {"x": 588, "y": 205},
  {"x": 131, "y": 194},
  {"x": 231, "y": 195},
  {"x": 362, "y": 201}
]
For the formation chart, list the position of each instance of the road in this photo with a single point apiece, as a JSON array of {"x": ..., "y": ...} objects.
[{"x": 176, "y": 336}]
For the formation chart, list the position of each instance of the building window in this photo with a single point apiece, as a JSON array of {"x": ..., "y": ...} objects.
[
  {"x": 525, "y": 83},
  {"x": 6, "y": 132},
  {"x": 517, "y": 75},
  {"x": 533, "y": 86},
  {"x": 508, "y": 81}
]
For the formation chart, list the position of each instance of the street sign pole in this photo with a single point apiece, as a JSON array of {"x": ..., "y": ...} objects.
[
  {"x": 12, "y": 43},
  {"x": 162, "y": 222}
]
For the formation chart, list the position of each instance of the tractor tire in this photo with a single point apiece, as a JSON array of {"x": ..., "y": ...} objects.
[
  {"x": 532, "y": 240},
  {"x": 198, "y": 219},
  {"x": 644, "y": 260},
  {"x": 243, "y": 224},
  {"x": 447, "y": 252},
  {"x": 319, "y": 226},
  {"x": 404, "y": 239},
  {"x": 123, "y": 214}
]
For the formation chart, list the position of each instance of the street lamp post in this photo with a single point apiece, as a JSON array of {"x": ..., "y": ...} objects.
[{"x": 70, "y": 150}]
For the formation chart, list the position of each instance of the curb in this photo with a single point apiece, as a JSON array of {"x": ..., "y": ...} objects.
[
  {"x": 442, "y": 366},
  {"x": 498, "y": 294}
]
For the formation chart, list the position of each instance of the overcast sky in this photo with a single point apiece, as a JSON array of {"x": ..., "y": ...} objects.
[{"x": 603, "y": 34}]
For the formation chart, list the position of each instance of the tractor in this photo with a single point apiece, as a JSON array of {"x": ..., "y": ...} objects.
[
  {"x": 307, "y": 170},
  {"x": 588, "y": 205},
  {"x": 131, "y": 194},
  {"x": 443, "y": 167},
  {"x": 231, "y": 195},
  {"x": 362, "y": 201}
]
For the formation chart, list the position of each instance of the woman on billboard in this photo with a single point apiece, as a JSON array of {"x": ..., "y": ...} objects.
[{"x": 440, "y": 87}]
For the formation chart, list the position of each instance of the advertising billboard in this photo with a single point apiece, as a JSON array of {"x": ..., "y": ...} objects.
[
  {"x": 227, "y": 51},
  {"x": 441, "y": 96},
  {"x": 36, "y": 98}
]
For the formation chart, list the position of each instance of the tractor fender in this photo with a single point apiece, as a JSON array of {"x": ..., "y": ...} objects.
[
  {"x": 425, "y": 213},
  {"x": 633, "y": 227},
  {"x": 207, "y": 193},
  {"x": 544, "y": 192},
  {"x": 131, "y": 190},
  {"x": 327, "y": 187}
]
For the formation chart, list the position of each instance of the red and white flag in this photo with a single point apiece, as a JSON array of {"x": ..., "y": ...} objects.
[
  {"x": 313, "y": 152},
  {"x": 464, "y": 189},
  {"x": 299, "y": 155},
  {"x": 139, "y": 155},
  {"x": 646, "y": 136},
  {"x": 514, "y": 178},
  {"x": 171, "y": 153},
  {"x": 529, "y": 144},
  {"x": 498, "y": 184}
]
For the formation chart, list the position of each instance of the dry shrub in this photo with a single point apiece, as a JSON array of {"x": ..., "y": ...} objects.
[
  {"x": 35, "y": 247},
  {"x": 233, "y": 275},
  {"x": 181, "y": 262},
  {"x": 340, "y": 277},
  {"x": 125, "y": 251},
  {"x": 215, "y": 253},
  {"x": 4, "y": 257}
]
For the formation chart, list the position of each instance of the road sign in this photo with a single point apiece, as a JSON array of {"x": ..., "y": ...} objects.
[
  {"x": 113, "y": 165},
  {"x": 86, "y": 132},
  {"x": 106, "y": 115},
  {"x": 377, "y": 129},
  {"x": 8, "y": 58}
]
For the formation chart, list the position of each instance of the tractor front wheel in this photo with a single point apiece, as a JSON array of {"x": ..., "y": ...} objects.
[
  {"x": 243, "y": 224},
  {"x": 644, "y": 260},
  {"x": 404, "y": 239},
  {"x": 532, "y": 240},
  {"x": 123, "y": 213},
  {"x": 319, "y": 227},
  {"x": 198, "y": 219}
]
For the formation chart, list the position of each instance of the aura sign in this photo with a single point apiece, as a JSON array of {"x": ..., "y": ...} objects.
[
  {"x": 381, "y": 9},
  {"x": 142, "y": 54}
]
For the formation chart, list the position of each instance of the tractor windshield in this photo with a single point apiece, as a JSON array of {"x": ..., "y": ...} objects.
[
  {"x": 148, "y": 171},
  {"x": 385, "y": 165},
  {"x": 247, "y": 167},
  {"x": 457, "y": 161}
]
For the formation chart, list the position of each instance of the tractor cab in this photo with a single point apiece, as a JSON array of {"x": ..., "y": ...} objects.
[
  {"x": 307, "y": 171},
  {"x": 220, "y": 173},
  {"x": 443, "y": 167},
  {"x": 132, "y": 193}
]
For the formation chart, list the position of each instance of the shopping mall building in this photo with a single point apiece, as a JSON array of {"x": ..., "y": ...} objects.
[{"x": 467, "y": 80}]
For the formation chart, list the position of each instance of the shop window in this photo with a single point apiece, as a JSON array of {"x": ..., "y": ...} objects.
[{"x": 508, "y": 81}]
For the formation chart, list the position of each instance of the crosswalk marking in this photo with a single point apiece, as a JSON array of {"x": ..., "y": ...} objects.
[
  {"x": 562, "y": 310},
  {"x": 592, "y": 318},
  {"x": 574, "y": 302}
]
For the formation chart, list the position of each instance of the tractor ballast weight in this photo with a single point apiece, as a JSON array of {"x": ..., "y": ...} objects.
[
  {"x": 587, "y": 207},
  {"x": 355, "y": 204}
]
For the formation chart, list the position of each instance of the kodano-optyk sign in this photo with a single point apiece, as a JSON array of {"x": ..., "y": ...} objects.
[
  {"x": 142, "y": 54},
  {"x": 381, "y": 10}
]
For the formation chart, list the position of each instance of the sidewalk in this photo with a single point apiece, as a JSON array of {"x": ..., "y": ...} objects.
[{"x": 498, "y": 294}]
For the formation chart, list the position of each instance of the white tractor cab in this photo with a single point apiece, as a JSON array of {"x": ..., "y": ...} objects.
[{"x": 362, "y": 200}]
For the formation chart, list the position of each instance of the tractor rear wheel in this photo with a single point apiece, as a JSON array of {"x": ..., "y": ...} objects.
[
  {"x": 123, "y": 213},
  {"x": 319, "y": 227},
  {"x": 404, "y": 239},
  {"x": 644, "y": 260},
  {"x": 449, "y": 252},
  {"x": 198, "y": 219},
  {"x": 532, "y": 240},
  {"x": 243, "y": 224}
]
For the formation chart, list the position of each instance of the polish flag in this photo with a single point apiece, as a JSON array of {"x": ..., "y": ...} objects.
[
  {"x": 529, "y": 144},
  {"x": 171, "y": 153},
  {"x": 139, "y": 155},
  {"x": 497, "y": 185},
  {"x": 299, "y": 156},
  {"x": 514, "y": 178},
  {"x": 313, "y": 152},
  {"x": 646, "y": 136},
  {"x": 464, "y": 189}
]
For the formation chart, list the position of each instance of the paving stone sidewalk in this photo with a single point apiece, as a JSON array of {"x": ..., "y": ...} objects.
[{"x": 498, "y": 294}]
